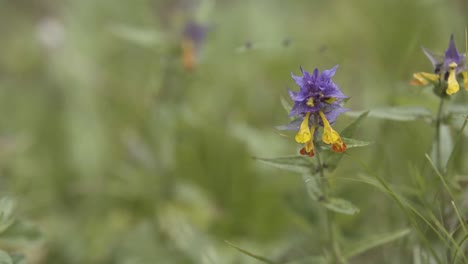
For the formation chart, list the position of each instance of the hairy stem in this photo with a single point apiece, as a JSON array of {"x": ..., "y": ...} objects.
[
  {"x": 438, "y": 161},
  {"x": 329, "y": 215},
  {"x": 437, "y": 136}
]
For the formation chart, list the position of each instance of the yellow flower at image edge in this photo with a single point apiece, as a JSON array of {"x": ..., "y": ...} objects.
[
  {"x": 330, "y": 136},
  {"x": 446, "y": 69},
  {"x": 465, "y": 79}
]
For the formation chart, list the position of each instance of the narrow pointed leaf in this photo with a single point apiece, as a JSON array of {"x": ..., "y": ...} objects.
[
  {"x": 354, "y": 143},
  {"x": 334, "y": 159},
  {"x": 398, "y": 113},
  {"x": 139, "y": 36},
  {"x": 250, "y": 254},
  {"x": 310, "y": 260},
  {"x": 341, "y": 206},
  {"x": 375, "y": 241},
  {"x": 298, "y": 164},
  {"x": 348, "y": 132},
  {"x": 350, "y": 143}
]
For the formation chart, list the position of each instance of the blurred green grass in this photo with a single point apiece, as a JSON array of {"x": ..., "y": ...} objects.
[{"x": 121, "y": 156}]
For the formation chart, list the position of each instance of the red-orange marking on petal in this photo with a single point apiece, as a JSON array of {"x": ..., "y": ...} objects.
[
  {"x": 304, "y": 152},
  {"x": 340, "y": 148}
]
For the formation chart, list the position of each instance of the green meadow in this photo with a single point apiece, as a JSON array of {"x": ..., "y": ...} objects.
[{"x": 113, "y": 150}]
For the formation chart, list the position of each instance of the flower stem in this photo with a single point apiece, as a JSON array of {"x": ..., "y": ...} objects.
[
  {"x": 445, "y": 200},
  {"x": 437, "y": 136},
  {"x": 329, "y": 215}
]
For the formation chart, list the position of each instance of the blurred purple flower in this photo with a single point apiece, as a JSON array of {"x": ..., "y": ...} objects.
[
  {"x": 192, "y": 39},
  {"x": 195, "y": 32}
]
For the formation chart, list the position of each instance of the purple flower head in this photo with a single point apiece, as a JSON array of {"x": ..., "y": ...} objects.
[
  {"x": 317, "y": 93},
  {"x": 195, "y": 33},
  {"x": 316, "y": 104},
  {"x": 441, "y": 63}
]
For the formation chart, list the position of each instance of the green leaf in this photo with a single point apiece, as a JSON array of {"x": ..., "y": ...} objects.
[
  {"x": 354, "y": 143},
  {"x": 341, "y": 206},
  {"x": 298, "y": 164},
  {"x": 313, "y": 187},
  {"x": 6, "y": 213},
  {"x": 18, "y": 259},
  {"x": 334, "y": 159},
  {"x": 446, "y": 145},
  {"x": 255, "y": 256},
  {"x": 457, "y": 109},
  {"x": 21, "y": 230},
  {"x": 286, "y": 105},
  {"x": 5, "y": 258},
  {"x": 457, "y": 144},
  {"x": 350, "y": 143},
  {"x": 142, "y": 37},
  {"x": 375, "y": 241},
  {"x": 397, "y": 113},
  {"x": 348, "y": 132},
  {"x": 310, "y": 260}
]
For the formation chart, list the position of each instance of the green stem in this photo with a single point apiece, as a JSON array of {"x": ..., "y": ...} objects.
[
  {"x": 438, "y": 156},
  {"x": 437, "y": 136},
  {"x": 329, "y": 215}
]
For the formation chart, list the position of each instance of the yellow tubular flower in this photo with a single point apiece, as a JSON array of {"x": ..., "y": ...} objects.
[
  {"x": 309, "y": 147},
  {"x": 423, "y": 78},
  {"x": 465, "y": 80},
  {"x": 304, "y": 135},
  {"x": 452, "y": 84},
  {"x": 330, "y": 136}
]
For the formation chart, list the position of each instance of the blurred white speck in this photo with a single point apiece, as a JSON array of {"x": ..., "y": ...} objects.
[{"x": 51, "y": 33}]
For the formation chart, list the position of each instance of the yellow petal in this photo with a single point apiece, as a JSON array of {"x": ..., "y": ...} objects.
[
  {"x": 304, "y": 135},
  {"x": 330, "y": 136},
  {"x": 452, "y": 84},
  {"x": 423, "y": 78},
  {"x": 309, "y": 147},
  {"x": 465, "y": 79}
]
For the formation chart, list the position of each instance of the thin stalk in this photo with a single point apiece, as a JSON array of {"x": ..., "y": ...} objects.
[
  {"x": 438, "y": 161},
  {"x": 329, "y": 216},
  {"x": 439, "y": 167},
  {"x": 437, "y": 136}
]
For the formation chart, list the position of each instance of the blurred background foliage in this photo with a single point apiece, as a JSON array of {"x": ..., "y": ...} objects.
[{"x": 120, "y": 155}]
